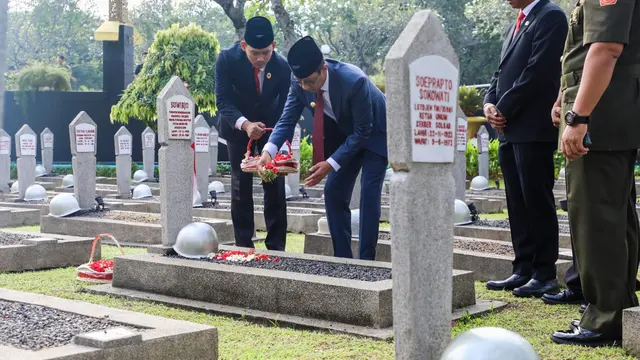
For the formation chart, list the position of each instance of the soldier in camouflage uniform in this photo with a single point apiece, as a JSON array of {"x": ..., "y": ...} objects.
[{"x": 599, "y": 102}]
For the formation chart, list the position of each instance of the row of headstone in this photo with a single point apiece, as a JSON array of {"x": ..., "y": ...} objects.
[{"x": 28, "y": 141}]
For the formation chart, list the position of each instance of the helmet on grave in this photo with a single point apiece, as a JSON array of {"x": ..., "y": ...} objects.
[
  {"x": 388, "y": 175},
  {"x": 35, "y": 193},
  {"x": 287, "y": 191},
  {"x": 40, "y": 171},
  {"x": 479, "y": 183},
  {"x": 15, "y": 188},
  {"x": 489, "y": 343},
  {"x": 196, "y": 240},
  {"x": 323, "y": 226},
  {"x": 140, "y": 176},
  {"x": 562, "y": 173},
  {"x": 355, "y": 223},
  {"x": 217, "y": 186},
  {"x": 67, "y": 181},
  {"x": 141, "y": 191},
  {"x": 63, "y": 205},
  {"x": 197, "y": 199},
  {"x": 462, "y": 215}
]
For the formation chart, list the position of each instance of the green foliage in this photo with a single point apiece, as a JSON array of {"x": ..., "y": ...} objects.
[
  {"x": 379, "y": 80},
  {"x": 188, "y": 52},
  {"x": 469, "y": 100},
  {"x": 63, "y": 170},
  {"x": 559, "y": 162},
  {"x": 472, "y": 160},
  {"x": 224, "y": 168},
  {"x": 40, "y": 76},
  {"x": 13, "y": 172},
  {"x": 495, "y": 172},
  {"x": 306, "y": 157}
]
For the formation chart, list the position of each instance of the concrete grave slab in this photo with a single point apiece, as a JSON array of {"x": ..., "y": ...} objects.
[
  {"x": 483, "y": 232},
  {"x": 16, "y": 217}
]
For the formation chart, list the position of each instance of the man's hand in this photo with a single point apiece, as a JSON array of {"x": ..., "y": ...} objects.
[
  {"x": 264, "y": 160},
  {"x": 254, "y": 130},
  {"x": 318, "y": 172},
  {"x": 556, "y": 115},
  {"x": 572, "y": 141},
  {"x": 496, "y": 120}
]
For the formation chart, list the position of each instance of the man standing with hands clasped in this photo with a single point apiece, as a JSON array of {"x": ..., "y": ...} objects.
[
  {"x": 252, "y": 83},
  {"x": 600, "y": 102},
  {"x": 349, "y": 134}
]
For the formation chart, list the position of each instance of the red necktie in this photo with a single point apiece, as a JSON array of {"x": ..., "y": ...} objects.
[
  {"x": 255, "y": 75},
  {"x": 318, "y": 129},
  {"x": 521, "y": 17}
]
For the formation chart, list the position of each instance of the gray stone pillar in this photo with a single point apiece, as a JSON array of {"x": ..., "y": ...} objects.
[
  {"x": 26, "y": 145},
  {"x": 294, "y": 179},
  {"x": 148, "y": 152},
  {"x": 176, "y": 111},
  {"x": 460, "y": 172},
  {"x": 201, "y": 143},
  {"x": 123, "y": 144},
  {"x": 5, "y": 161},
  {"x": 213, "y": 151},
  {"x": 46, "y": 144},
  {"x": 483, "y": 152},
  {"x": 83, "y": 133},
  {"x": 422, "y": 87}
]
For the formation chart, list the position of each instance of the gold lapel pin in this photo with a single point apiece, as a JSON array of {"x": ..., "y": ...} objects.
[
  {"x": 268, "y": 75},
  {"x": 313, "y": 105}
]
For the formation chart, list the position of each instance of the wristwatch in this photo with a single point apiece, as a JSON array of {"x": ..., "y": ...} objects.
[{"x": 572, "y": 119}]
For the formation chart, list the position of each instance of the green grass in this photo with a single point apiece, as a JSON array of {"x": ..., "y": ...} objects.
[
  {"x": 241, "y": 339},
  {"x": 505, "y": 214}
]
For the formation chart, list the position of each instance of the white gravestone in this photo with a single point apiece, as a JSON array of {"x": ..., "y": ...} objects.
[
  {"x": 483, "y": 152},
  {"x": 460, "y": 172},
  {"x": 176, "y": 110},
  {"x": 201, "y": 144},
  {"x": 213, "y": 151},
  {"x": 123, "y": 144},
  {"x": 148, "y": 151},
  {"x": 46, "y": 145},
  {"x": 355, "y": 195},
  {"x": 5, "y": 161},
  {"x": 83, "y": 134},
  {"x": 26, "y": 144},
  {"x": 294, "y": 179},
  {"x": 422, "y": 88}
]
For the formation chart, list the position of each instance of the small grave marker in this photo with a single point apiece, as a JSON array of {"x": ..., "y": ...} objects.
[
  {"x": 483, "y": 152},
  {"x": 294, "y": 179},
  {"x": 213, "y": 151},
  {"x": 148, "y": 151},
  {"x": 123, "y": 143},
  {"x": 460, "y": 172},
  {"x": 26, "y": 144},
  {"x": 46, "y": 145},
  {"x": 5, "y": 161},
  {"x": 201, "y": 142},
  {"x": 83, "y": 133}
]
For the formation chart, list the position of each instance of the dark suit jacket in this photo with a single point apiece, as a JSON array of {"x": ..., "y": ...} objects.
[
  {"x": 236, "y": 94},
  {"x": 360, "y": 109},
  {"x": 528, "y": 78}
]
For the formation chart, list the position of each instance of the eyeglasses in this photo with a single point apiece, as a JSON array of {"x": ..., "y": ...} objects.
[{"x": 308, "y": 81}]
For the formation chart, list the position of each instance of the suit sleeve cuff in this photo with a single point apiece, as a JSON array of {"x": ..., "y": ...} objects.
[
  {"x": 271, "y": 148},
  {"x": 240, "y": 121},
  {"x": 333, "y": 164}
]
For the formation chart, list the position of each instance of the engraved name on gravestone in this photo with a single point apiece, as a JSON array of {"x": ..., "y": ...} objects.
[
  {"x": 294, "y": 179},
  {"x": 201, "y": 143},
  {"x": 483, "y": 152},
  {"x": 460, "y": 172},
  {"x": 148, "y": 151},
  {"x": 213, "y": 151},
  {"x": 26, "y": 144},
  {"x": 46, "y": 144},
  {"x": 123, "y": 144},
  {"x": 176, "y": 111},
  {"x": 422, "y": 85},
  {"x": 83, "y": 134},
  {"x": 5, "y": 161}
]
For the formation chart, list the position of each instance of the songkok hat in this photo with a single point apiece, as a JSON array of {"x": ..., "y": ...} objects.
[
  {"x": 258, "y": 32},
  {"x": 304, "y": 57}
]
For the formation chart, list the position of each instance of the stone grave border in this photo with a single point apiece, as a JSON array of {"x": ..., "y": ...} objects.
[
  {"x": 483, "y": 232},
  {"x": 16, "y": 217},
  {"x": 158, "y": 341}
]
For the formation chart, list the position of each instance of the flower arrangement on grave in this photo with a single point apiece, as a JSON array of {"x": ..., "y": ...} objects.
[
  {"x": 241, "y": 256},
  {"x": 281, "y": 165},
  {"x": 98, "y": 271}
]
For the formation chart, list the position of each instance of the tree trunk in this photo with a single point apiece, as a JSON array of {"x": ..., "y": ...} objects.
[
  {"x": 286, "y": 25},
  {"x": 4, "y": 19},
  {"x": 235, "y": 12}
]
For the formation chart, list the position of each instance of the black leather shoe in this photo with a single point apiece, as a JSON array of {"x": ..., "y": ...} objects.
[
  {"x": 563, "y": 298},
  {"x": 537, "y": 288},
  {"x": 510, "y": 283},
  {"x": 583, "y": 337},
  {"x": 583, "y": 307}
]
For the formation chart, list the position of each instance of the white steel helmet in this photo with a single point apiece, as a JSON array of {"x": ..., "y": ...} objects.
[
  {"x": 15, "y": 188},
  {"x": 355, "y": 223},
  {"x": 287, "y": 191},
  {"x": 217, "y": 186},
  {"x": 489, "y": 343},
  {"x": 63, "y": 205},
  {"x": 140, "y": 176},
  {"x": 40, "y": 171},
  {"x": 141, "y": 191},
  {"x": 479, "y": 183},
  {"x": 67, "y": 181},
  {"x": 388, "y": 175},
  {"x": 562, "y": 173},
  {"x": 197, "y": 199},
  {"x": 196, "y": 240},
  {"x": 35, "y": 193},
  {"x": 323, "y": 226},
  {"x": 462, "y": 215}
]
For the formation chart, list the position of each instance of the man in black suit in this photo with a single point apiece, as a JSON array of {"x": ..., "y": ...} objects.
[
  {"x": 252, "y": 84},
  {"x": 518, "y": 105}
]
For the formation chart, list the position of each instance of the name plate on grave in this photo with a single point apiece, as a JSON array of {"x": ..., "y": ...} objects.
[
  {"x": 47, "y": 141},
  {"x": 180, "y": 112},
  {"x": 295, "y": 142},
  {"x": 27, "y": 145},
  {"x": 461, "y": 135},
  {"x": 485, "y": 142},
  {"x": 85, "y": 138},
  {"x": 202, "y": 140},
  {"x": 5, "y": 145},
  {"x": 124, "y": 144},
  {"x": 434, "y": 102},
  {"x": 149, "y": 141}
]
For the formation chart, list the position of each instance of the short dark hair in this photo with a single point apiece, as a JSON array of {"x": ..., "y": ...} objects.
[{"x": 61, "y": 57}]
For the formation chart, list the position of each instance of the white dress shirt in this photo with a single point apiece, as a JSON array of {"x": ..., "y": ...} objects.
[
  {"x": 242, "y": 119},
  {"x": 528, "y": 9}
]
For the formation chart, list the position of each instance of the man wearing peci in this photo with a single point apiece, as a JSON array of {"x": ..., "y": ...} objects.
[
  {"x": 518, "y": 105},
  {"x": 349, "y": 134},
  {"x": 252, "y": 83}
]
